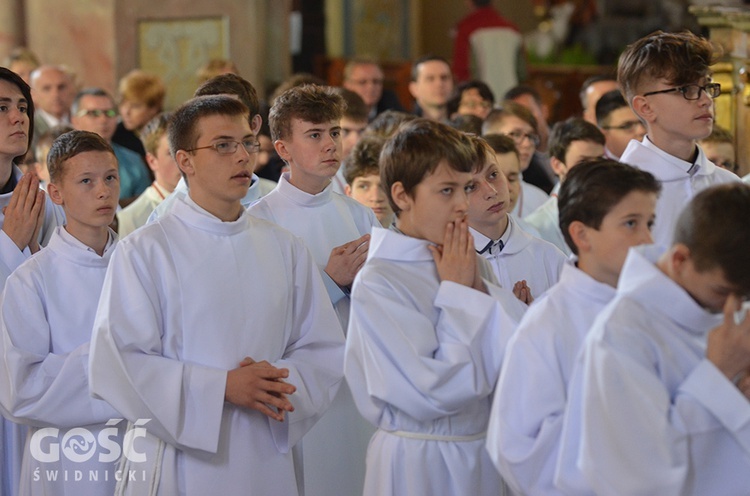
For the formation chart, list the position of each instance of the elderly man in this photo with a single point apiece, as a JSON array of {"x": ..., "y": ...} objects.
[
  {"x": 53, "y": 89},
  {"x": 94, "y": 110}
]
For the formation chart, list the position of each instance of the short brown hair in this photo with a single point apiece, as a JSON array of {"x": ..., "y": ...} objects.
[
  {"x": 417, "y": 149},
  {"x": 231, "y": 84},
  {"x": 719, "y": 135},
  {"x": 388, "y": 122},
  {"x": 153, "y": 131},
  {"x": 566, "y": 132},
  {"x": 714, "y": 227},
  {"x": 183, "y": 129},
  {"x": 509, "y": 107},
  {"x": 501, "y": 143},
  {"x": 593, "y": 188},
  {"x": 310, "y": 103},
  {"x": 678, "y": 58},
  {"x": 354, "y": 107},
  {"x": 364, "y": 157},
  {"x": 141, "y": 87},
  {"x": 215, "y": 67},
  {"x": 70, "y": 144}
]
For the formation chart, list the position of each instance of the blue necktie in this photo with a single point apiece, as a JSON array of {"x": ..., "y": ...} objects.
[{"x": 500, "y": 245}]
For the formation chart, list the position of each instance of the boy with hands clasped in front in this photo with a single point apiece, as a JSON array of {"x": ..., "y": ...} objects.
[{"x": 427, "y": 332}]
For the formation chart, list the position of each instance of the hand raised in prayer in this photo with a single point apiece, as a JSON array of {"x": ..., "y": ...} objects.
[
  {"x": 729, "y": 343},
  {"x": 260, "y": 386},
  {"x": 455, "y": 259},
  {"x": 23, "y": 213},
  {"x": 346, "y": 260},
  {"x": 523, "y": 292}
]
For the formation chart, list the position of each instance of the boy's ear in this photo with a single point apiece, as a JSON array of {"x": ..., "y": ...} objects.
[
  {"x": 151, "y": 161},
  {"x": 255, "y": 124},
  {"x": 400, "y": 197},
  {"x": 558, "y": 167},
  {"x": 54, "y": 194},
  {"x": 348, "y": 190},
  {"x": 282, "y": 150},
  {"x": 643, "y": 109},
  {"x": 184, "y": 162},
  {"x": 579, "y": 234}
]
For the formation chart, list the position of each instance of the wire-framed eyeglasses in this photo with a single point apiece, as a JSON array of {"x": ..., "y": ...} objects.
[
  {"x": 692, "y": 91},
  {"x": 229, "y": 147}
]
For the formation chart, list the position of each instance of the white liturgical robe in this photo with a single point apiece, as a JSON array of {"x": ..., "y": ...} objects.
[
  {"x": 546, "y": 221},
  {"x": 258, "y": 188},
  {"x": 12, "y": 435},
  {"x": 680, "y": 182},
  {"x": 523, "y": 257},
  {"x": 530, "y": 199},
  {"x": 47, "y": 313},
  {"x": 647, "y": 412},
  {"x": 527, "y": 410},
  {"x": 186, "y": 299},
  {"x": 422, "y": 359},
  {"x": 335, "y": 448}
]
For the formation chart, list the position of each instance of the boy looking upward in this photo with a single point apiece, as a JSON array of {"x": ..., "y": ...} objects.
[
  {"x": 215, "y": 325},
  {"x": 519, "y": 260},
  {"x": 666, "y": 78},
  {"x": 605, "y": 208},
  {"x": 427, "y": 332},
  {"x": 48, "y": 309},
  {"x": 659, "y": 364},
  {"x": 570, "y": 142},
  {"x": 305, "y": 126}
]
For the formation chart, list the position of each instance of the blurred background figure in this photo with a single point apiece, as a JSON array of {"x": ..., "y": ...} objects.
[
  {"x": 141, "y": 99},
  {"x": 22, "y": 61},
  {"x": 215, "y": 67}
]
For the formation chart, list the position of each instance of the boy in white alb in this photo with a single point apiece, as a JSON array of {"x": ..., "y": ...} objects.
[
  {"x": 570, "y": 142},
  {"x": 23, "y": 229},
  {"x": 520, "y": 261},
  {"x": 47, "y": 313},
  {"x": 216, "y": 326},
  {"x": 305, "y": 127},
  {"x": 605, "y": 208},
  {"x": 224, "y": 84},
  {"x": 427, "y": 333},
  {"x": 166, "y": 176},
  {"x": 666, "y": 78},
  {"x": 658, "y": 399}
]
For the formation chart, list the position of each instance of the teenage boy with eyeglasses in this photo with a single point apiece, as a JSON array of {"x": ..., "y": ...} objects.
[
  {"x": 618, "y": 123},
  {"x": 215, "y": 325},
  {"x": 666, "y": 78}
]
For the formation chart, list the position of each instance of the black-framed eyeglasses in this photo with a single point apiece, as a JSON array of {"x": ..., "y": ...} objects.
[
  {"x": 229, "y": 147},
  {"x": 625, "y": 126},
  {"x": 692, "y": 91},
  {"x": 518, "y": 137},
  {"x": 110, "y": 113}
]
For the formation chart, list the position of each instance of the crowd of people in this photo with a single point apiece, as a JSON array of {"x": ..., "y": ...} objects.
[{"x": 328, "y": 295}]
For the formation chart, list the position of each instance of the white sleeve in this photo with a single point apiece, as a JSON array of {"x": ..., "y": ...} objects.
[
  {"x": 527, "y": 412},
  {"x": 10, "y": 256},
  {"x": 619, "y": 435},
  {"x": 40, "y": 388},
  {"x": 396, "y": 356},
  {"x": 314, "y": 355},
  {"x": 127, "y": 368}
]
